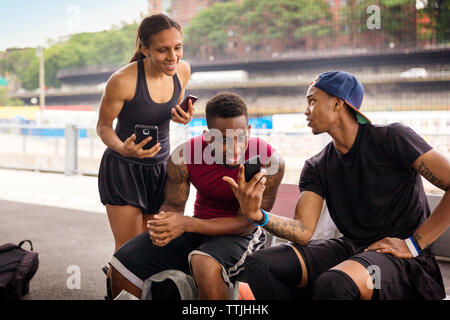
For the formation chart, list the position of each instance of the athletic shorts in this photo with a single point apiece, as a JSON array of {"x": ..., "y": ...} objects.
[
  {"x": 139, "y": 259},
  {"x": 122, "y": 182},
  {"x": 393, "y": 278}
]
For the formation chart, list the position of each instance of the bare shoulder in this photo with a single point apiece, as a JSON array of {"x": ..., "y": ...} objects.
[
  {"x": 123, "y": 82},
  {"x": 184, "y": 72},
  {"x": 176, "y": 165}
]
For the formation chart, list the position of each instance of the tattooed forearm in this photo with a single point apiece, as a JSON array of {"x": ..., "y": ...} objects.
[
  {"x": 292, "y": 230},
  {"x": 422, "y": 242},
  {"x": 427, "y": 174}
]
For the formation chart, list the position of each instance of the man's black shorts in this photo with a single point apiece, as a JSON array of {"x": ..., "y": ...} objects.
[
  {"x": 139, "y": 259},
  {"x": 394, "y": 278}
]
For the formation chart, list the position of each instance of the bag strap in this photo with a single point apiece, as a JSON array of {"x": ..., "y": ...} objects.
[{"x": 23, "y": 241}]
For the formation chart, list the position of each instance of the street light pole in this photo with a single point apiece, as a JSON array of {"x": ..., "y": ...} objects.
[{"x": 40, "y": 54}]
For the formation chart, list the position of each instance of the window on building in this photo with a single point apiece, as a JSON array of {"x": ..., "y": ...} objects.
[{"x": 258, "y": 47}]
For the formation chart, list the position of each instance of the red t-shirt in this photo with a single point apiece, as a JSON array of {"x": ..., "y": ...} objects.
[{"x": 214, "y": 196}]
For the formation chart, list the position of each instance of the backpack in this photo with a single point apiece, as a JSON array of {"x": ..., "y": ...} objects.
[{"x": 17, "y": 267}]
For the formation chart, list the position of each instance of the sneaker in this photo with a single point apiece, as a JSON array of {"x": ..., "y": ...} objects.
[
  {"x": 105, "y": 269},
  {"x": 125, "y": 295},
  {"x": 108, "y": 283}
]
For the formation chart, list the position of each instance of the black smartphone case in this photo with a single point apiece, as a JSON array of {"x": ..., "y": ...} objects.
[
  {"x": 144, "y": 131},
  {"x": 251, "y": 168}
]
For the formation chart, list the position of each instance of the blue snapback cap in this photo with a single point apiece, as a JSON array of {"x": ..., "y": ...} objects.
[{"x": 345, "y": 86}]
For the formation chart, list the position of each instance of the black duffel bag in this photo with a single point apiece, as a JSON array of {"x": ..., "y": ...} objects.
[{"x": 17, "y": 267}]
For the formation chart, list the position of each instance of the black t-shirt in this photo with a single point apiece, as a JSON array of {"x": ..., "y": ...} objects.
[{"x": 372, "y": 191}]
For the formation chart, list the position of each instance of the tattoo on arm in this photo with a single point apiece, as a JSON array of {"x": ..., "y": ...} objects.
[
  {"x": 423, "y": 244},
  {"x": 176, "y": 190},
  {"x": 272, "y": 183},
  {"x": 290, "y": 229},
  {"x": 427, "y": 174},
  {"x": 286, "y": 228}
]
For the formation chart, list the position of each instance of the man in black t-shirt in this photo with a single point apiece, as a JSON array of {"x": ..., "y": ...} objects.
[{"x": 369, "y": 176}]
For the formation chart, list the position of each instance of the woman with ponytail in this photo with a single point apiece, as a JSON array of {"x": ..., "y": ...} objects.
[{"x": 146, "y": 91}]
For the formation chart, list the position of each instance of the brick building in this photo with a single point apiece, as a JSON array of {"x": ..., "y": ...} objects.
[{"x": 346, "y": 31}]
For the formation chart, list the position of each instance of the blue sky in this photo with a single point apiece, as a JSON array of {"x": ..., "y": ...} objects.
[{"x": 31, "y": 22}]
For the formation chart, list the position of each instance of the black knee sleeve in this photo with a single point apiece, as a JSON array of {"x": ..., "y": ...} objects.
[
  {"x": 257, "y": 271},
  {"x": 269, "y": 276},
  {"x": 335, "y": 285}
]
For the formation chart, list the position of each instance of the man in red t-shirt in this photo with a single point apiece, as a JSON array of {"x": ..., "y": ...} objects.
[{"x": 213, "y": 244}]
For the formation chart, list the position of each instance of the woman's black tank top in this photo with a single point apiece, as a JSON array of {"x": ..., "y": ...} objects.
[{"x": 141, "y": 109}]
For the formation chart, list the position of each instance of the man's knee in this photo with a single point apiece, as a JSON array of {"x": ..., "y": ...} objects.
[
  {"x": 335, "y": 285},
  {"x": 205, "y": 268}
]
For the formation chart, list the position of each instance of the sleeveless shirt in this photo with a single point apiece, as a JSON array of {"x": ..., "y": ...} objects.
[{"x": 141, "y": 109}]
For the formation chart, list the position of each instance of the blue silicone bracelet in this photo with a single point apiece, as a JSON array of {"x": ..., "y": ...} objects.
[{"x": 266, "y": 218}]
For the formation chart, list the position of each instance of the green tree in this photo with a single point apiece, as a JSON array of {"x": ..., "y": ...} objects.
[
  {"x": 24, "y": 64},
  {"x": 256, "y": 20},
  {"x": 398, "y": 20},
  {"x": 290, "y": 20},
  {"x": 5, "y": 100},
  {"x": 106, "y": 48},
  {"x": 210, "y": 26},
  {"x": 438, "y": 11}
]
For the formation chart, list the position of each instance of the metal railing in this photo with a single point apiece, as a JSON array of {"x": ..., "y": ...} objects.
[
  {"x": 77, "y": 150},
  {"x": 48, "y": 148},
  {"x": 73, "y": 150}
]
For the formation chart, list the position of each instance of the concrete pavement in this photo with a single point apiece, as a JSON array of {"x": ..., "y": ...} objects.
[{"x": 63, "y": 217}]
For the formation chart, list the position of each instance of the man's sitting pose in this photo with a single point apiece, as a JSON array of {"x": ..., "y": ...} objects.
[
  {"x": 369, "y": 176},
  {"x": 213, "y": 244}
]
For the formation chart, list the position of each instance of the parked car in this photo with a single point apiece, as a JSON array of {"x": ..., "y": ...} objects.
[{"x": 414, "y": 73}]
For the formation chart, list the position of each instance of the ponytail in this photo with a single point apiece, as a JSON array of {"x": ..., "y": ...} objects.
[
  {"x": 137, "y": 56},
  {"x": 137, "y": 53}
]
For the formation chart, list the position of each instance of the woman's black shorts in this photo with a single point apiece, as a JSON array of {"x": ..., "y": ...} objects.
[{"x": 122, "y": 182}]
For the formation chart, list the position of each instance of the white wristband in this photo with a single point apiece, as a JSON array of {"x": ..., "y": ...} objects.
[{"x": 411, "y": 247}]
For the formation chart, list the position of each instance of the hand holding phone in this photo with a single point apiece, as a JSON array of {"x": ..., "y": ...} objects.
[
  {"x": 251, "y": 167},
  {"x": 185, "y": 103},
  {"x": 144, "y": 131}
]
